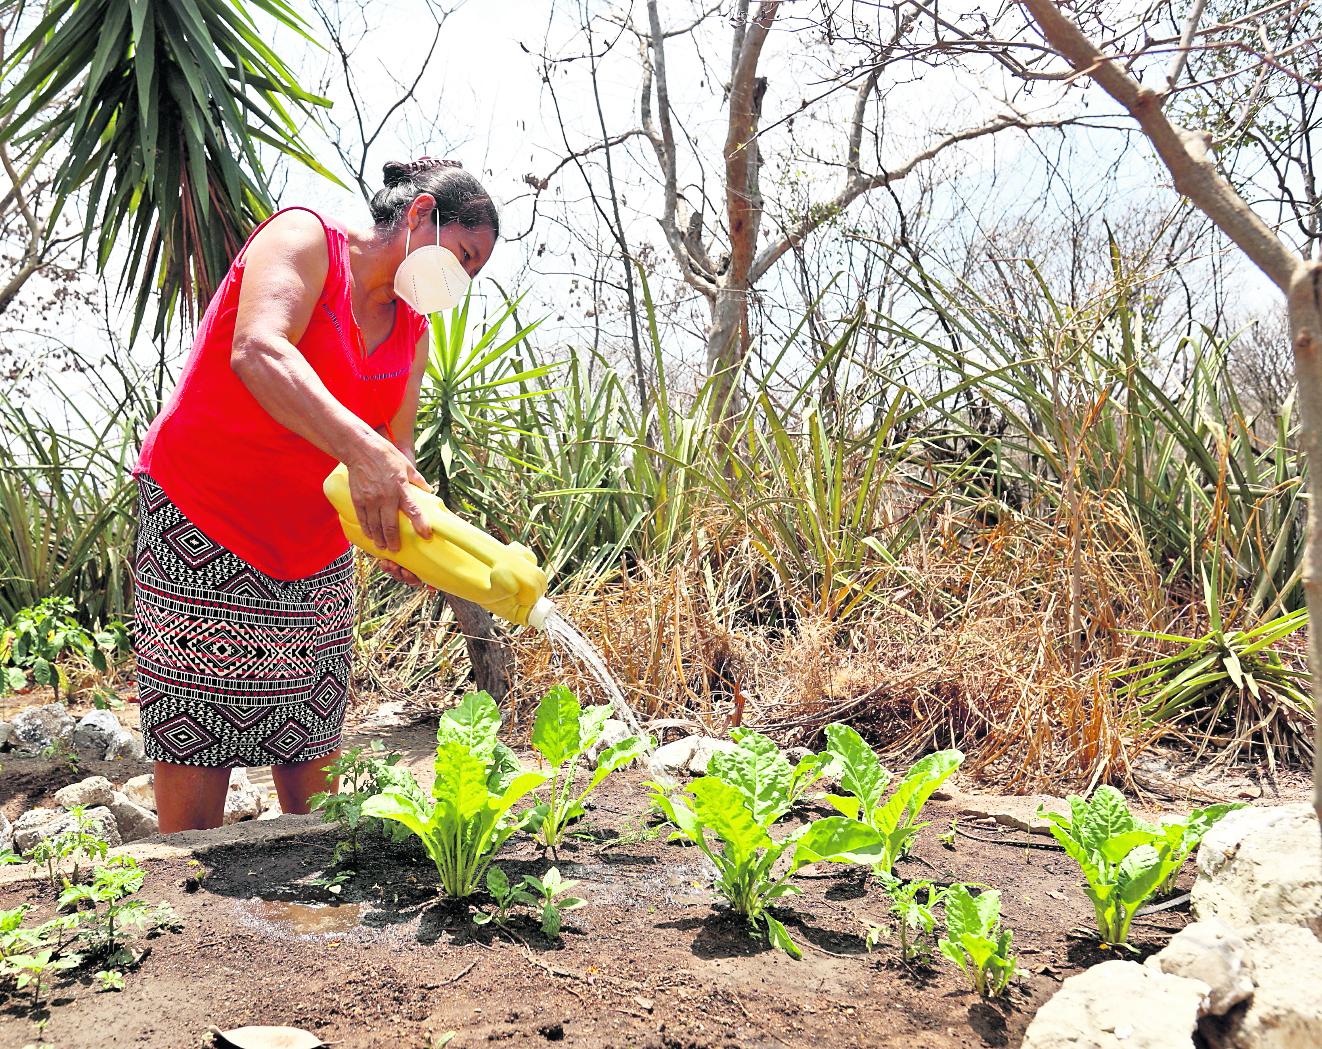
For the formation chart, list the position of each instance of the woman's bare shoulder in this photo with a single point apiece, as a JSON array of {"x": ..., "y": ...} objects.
[{"x": 294, "y": 237}]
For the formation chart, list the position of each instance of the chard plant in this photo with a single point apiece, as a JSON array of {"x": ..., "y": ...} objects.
[
  {"x": 747, "y": 855},
  {"x": 478, "y": 781},
  {"x": 1124, "y": 859},
  {"x": 562, "y": 733},
  {"x": 758, "y": 769},
  {"x": 865, "y": 781},
  {"x": 1188, "y": 833},
  {"x": 976, "y": 942}
]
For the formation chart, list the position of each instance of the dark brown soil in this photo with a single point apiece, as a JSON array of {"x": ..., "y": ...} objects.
[{"x": 651, "y": 961}]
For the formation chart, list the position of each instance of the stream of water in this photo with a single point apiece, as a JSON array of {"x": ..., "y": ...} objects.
[{"x": 558, "y": 629}]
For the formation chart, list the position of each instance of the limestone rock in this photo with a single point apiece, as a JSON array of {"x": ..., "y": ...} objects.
[
  {"x": 690, "y": 755},
  {"x": 1261, "y": 865},
  {"x": 615, "y": 731},
  {"x": 97, "y": 730},
  {"x": 6, "y": 728},
  {"x": 6, "y": 833},
  {"x": 36, "y": 728},
  {"x": 243, "y": 801},
  {"x": 273, "y": 809},
  {"x": 125, "y": 746},
  {"x": 94, "y": 790},
  {"x": 1212, "y": 952},
  {"x": 134, "y": 821},
  {"x": 1286, "y": 1010},
  {"x": 1017, "y": 812},
  {"x": 41, "y": 824},
  {"x": 141, "y": 791},
  {"x": 1119, "y": 1005}
]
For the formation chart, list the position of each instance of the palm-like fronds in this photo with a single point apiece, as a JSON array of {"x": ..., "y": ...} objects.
[{"x": 173, "y": 97}]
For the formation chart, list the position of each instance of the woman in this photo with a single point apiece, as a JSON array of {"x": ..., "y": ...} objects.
[{"x": 312, "y": 352}]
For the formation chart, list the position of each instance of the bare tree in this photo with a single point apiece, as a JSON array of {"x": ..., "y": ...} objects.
[
  {"x": 724, "y": 239},
  {"x": 1187, "y": 155}
]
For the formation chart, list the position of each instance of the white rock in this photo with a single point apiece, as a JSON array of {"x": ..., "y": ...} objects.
[
  {"x": 1210, "y": 951},
  {"x": 1014, "y": 811},
  {"x": 134, "y": 822},
  {"x": 33, "y": 827},
  {"x": 1119, "y": 1005},
  {"x": 94, "y": 790},
  {"x": 36, "y": 728},
  {"x": 273, "y": 809},
  {"x": 690, "y": 755},
  {"x": 243, "y": 801},
  {"x": 614, "y": 731},
  {"x": 141, "y": 791},
  {"x": 97, "y": 730},
  {"x": 6, "y": 833},
  {"x": 1261, "y": 865},
  {"x": 6, "y": 728},
  {"x": 1286, "y": 1010},
  {"x": 125, "y": 746}
]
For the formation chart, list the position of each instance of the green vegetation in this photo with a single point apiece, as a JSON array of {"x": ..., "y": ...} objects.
[
  {"x": 562, "y": 732},
  {"x": 976, "y": 942},
  {"x": 478, "y": 781},
  {"x": 37, "y": 639},
  {"x": 366, "y": 771}
]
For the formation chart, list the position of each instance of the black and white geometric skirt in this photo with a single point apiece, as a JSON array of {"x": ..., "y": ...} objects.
[{"x": 235, "y": 668}]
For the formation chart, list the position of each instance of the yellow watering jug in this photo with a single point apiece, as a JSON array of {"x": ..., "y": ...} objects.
[{"x": 459, "y": 558}]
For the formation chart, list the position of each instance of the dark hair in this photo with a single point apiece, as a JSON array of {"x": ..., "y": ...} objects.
[{"x": 459, "y": 196}]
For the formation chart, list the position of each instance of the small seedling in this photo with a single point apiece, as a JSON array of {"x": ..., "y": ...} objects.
[
  {"x": 975, "y": 940},
  {"x": 505, "y": 895},
  {"x": 913, "y": 917},
  {"x": 548, "y": 894},
  {"x": 332, "y": 883},
  {"x": 32, "y": 969},
  {"x": 80, "y": 842},
  {"x": 364, "y": 772},
  {"x": 111, "y": 980},
  {"x": 948, "y": 838}
]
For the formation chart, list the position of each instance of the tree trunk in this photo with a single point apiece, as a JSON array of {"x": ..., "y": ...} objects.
[
  {"x": 723, "y": 349},
  {"x": 488, "y": 651}
]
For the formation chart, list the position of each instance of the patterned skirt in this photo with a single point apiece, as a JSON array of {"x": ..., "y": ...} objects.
[{"x": 235, "y": 668}]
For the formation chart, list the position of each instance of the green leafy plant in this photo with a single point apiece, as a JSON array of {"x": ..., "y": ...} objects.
[
  {"x": 80, "y": 842},
  {"x": 1125, "y": 860},
  {"x": 562, "y": 732},
  {"x": 865, "y": 781},
  {"x": 32, "y": 968},
  {"x": 747, "y": 855},
  {"x": 111, "y": 979},
  {"x": 912, "y": 918},
  {"x": 762, "y": 774},
  {"x": 1190, "y": 831},
  {"x": 112, "y": 912},
  {"x": 975, "y": 940},
  {"x": 478, "y": 781},
  {"x": 505, "y": 895},
  {"x": 364, "y": 771},
  {"x": 547, "y": 893},
  {"x": 38, "y": 637}
]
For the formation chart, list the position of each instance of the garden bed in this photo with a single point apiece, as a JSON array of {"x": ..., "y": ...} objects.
[{"x": 648, "y": 962}]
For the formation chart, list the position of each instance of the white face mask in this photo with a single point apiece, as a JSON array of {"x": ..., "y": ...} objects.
[{"x": 430, "y": 279}]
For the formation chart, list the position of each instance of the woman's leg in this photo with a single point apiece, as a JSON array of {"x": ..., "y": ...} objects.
[
  {"x": 294, "y": 784},
  {"x": 189, "y": 798}
]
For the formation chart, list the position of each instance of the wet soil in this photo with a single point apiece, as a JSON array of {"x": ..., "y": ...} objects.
[{"x": 651, "y": 961}]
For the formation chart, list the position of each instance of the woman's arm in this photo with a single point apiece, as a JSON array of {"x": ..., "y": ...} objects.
[
  {"x": 402, "y": 427},
  {"x": 284, "y": 271}
]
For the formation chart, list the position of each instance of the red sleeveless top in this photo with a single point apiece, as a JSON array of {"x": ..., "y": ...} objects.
[{"x": 244, "y": 479}]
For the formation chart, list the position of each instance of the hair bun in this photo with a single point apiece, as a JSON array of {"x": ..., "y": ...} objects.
[{"x": 393, "y": 172}]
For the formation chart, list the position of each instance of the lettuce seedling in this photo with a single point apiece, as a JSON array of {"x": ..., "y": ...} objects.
[
  {"x": 1125, "y": 860},
  {"x": 975, "y": 940},
  {"x": 862, "y": 776},
  {"x": 748, "y": 854},
  {"x": 478, "y": 780},
  {"x": 562, "y": 733}
]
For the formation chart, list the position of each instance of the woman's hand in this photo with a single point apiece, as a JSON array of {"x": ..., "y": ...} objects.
[
  {"x": 381, "y": 483},
  {"x": 398, "y": 572}
]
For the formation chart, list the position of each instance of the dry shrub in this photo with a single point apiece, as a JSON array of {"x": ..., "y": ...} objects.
[{"x": 963, "y": 644}]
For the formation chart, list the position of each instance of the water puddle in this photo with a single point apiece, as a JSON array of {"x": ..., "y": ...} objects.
[
  {"x": 305, "y": 919},
  {"x": 686, "y": 885}
]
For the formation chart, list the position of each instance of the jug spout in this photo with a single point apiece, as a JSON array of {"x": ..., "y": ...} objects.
[{"x": 459, "y": 558}]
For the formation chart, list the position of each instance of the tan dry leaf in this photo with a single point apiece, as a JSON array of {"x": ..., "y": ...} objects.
[{"x": 268, "y": 1038}]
